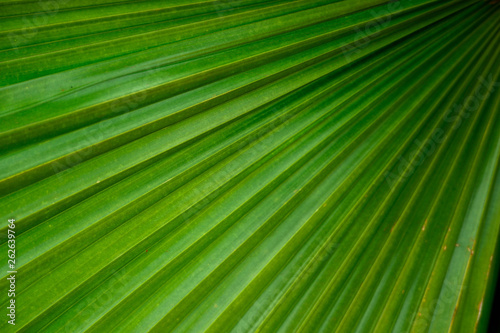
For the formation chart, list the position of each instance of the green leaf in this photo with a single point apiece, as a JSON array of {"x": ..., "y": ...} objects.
[{"x": 244, "y": 166}]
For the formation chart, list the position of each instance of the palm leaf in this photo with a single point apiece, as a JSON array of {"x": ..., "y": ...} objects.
[{"x": 271, "y": 166}]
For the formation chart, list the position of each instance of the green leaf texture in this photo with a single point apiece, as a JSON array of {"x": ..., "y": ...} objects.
[{"x": 250, "y": 166}]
